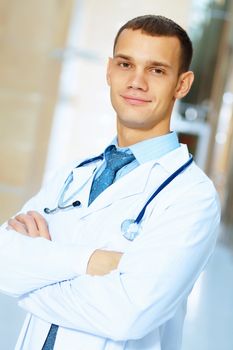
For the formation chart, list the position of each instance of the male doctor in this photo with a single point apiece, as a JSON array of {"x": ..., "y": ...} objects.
[{"x": 88, "y": 275}]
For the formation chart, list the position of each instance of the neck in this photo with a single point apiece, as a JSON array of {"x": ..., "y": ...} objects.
[{"x": 127, "y": 136}]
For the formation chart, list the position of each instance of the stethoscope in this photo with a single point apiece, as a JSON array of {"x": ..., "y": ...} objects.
[{"x": 130, "y": 228}]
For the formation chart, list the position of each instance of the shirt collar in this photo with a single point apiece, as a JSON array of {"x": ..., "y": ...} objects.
[{"x": 151, "y": 149}]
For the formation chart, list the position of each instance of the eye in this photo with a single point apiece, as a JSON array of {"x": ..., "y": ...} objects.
[
  {"x": 157, "y": 71},
  {"x": 124, "y": 65}
]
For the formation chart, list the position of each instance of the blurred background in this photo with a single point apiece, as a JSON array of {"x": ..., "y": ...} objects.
[{"x": 54, "y": 104}]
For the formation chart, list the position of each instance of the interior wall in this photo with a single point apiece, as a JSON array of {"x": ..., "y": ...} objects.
[{"x": 30, "y": 30}]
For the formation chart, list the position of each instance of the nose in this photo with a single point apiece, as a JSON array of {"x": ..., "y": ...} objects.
[{"x": 138, "y": 81}]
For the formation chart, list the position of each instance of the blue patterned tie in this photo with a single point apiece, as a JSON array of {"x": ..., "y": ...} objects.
[
  {"x": 50, "y": 340},
  {"x": 115, "y": 160}
]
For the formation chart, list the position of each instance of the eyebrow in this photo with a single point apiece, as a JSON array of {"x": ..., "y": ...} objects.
[{"x": 150, "y": 63}]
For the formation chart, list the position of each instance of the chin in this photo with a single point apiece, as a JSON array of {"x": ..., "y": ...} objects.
[{"x": 133, "y": 124}]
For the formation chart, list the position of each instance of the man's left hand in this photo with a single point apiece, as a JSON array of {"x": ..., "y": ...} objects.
[{"x": 31, "y": 224}]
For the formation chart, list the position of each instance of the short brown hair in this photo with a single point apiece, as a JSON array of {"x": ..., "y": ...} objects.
[{"x": 162, "y": 26}]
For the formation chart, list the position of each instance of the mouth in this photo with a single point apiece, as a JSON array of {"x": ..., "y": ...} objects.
[{"x": 134, "y": 100}]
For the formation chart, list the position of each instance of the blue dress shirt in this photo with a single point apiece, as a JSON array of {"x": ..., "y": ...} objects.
[{"x": 145, "y": 151}]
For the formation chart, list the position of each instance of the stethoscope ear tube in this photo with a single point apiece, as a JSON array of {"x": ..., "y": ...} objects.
[
  {"x": 52, "y": 211},
  {"x": 49, "y": 211},
  {"x": 66, "y": 185}
]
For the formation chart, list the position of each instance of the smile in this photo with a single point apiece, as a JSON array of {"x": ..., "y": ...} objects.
[{"x": 133, "y": 100}]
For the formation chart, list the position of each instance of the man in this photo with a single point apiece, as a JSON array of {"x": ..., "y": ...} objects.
[{"x": 110, "y": 269}]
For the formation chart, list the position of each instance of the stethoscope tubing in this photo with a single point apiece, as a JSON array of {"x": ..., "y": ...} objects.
[
  {"x": 67, "y": 182},
  {"x": 130, "y": 227},
  {"x": 91, "y": 160},
  {"x": 161, "y": 187}
]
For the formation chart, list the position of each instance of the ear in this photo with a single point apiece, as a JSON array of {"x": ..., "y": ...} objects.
[
  {"x": 184, "y": 84},
  {"x": 108, "y": 74}
]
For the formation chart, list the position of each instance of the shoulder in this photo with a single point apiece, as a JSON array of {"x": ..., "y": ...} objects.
[
  {"x": 192, "y": 185},
  {"x": 196, "y": 178}
]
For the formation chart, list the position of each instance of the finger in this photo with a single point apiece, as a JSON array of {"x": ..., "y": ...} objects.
[
  {"x": 17, "y": 226},
  {"x": 30, "y": 224},
  {"x": 41, "y": 224}
]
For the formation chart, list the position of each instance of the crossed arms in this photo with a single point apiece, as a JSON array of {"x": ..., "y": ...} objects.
[
  {"x": 147, "y": 283},
  {"x": 33, "y": 224}
]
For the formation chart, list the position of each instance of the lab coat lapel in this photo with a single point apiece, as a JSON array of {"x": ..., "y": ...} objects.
[
  {"x": 82, "y": 179},
  {"x": 135, "y": 182},
  {"x": 129, "y": 185},
  {"x": 82, "y": 173}
]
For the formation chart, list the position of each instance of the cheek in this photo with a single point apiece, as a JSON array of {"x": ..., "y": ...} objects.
[
  {"x": 165, "y": 92},
  {"x": 117, "y": 87},
  {"x": 119, "y": 80},
  {"x": 113, "y": 85}
]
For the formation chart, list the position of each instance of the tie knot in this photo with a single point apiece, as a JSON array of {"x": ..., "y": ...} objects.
[{"x": 115, "y": 160}]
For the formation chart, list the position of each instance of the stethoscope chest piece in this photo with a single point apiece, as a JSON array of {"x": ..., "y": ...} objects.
[{"x": 130, "y": 229}]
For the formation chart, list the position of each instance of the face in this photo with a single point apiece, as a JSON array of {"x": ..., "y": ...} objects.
[{"x": 144, "y": 82}]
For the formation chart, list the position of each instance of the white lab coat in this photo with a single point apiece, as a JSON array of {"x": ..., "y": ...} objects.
[{"x": 142, "y": 304}]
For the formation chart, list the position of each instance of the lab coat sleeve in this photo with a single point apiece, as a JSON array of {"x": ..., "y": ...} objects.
[
  {"x": 154, "y": 276},
  {"x": 29, "y": 263}
]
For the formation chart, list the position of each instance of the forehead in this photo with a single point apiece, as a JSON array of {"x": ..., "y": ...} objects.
[{"x": 143, "y": 47}]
